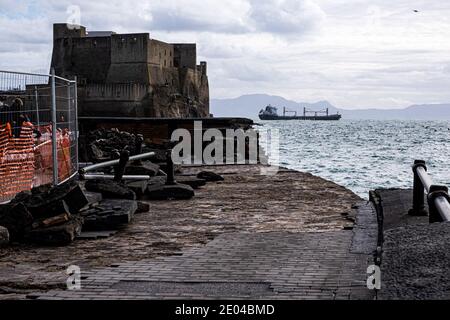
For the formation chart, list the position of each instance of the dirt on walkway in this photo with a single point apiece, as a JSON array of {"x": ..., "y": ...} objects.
[{"x": 245, "y": 201}]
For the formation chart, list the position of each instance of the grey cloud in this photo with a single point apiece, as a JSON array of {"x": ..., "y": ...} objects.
[
  {"x": 163, "y": 20},
  {"x": 302, "y": 49},
  {"x": 286, "y": 16},
  {"x": 249, "y": 71}
]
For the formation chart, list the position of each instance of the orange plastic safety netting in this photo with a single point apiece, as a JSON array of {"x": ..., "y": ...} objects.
[
  {"x": 27, "y": 162},
  {"x": 16, "y": 161}
]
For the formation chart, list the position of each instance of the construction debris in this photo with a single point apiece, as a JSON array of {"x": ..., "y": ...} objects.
[
  {"x": 193, "y": 182},
  {"x": 144, "y": 168},
  {"x": 47, "y": 201},
  {"x": 103, "y": 144},
  {"x": 108, "y": 214},
  {"x": 16, "y": 218},
  {"x": 139, "y": 187},
  {"x": 50, "y": 215},
  {"x": 56, "y": 215},
  {"x": 61, "y": 234},
  {"x": 175, "y": 191},
  {"x": 56, "y": 220},
  {"x": 110, "y": 189},
  {"x": 142, "y": 207},
  {"x": 209, "y": 176}
]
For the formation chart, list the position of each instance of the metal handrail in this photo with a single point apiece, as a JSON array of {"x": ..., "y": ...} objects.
[
  {"x": 110, "y": 163},
  {"x": 437, "y": 195},
  {"x": 95, "y": 176}
]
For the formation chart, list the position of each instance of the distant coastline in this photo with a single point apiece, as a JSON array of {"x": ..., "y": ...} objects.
[{"x": 249, "y": 106}]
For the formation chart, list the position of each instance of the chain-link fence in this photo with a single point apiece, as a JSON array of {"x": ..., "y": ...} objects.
[{"x": 33, "y": 152}]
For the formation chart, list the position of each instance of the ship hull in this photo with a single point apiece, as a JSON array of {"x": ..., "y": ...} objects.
[{"x": 332, "y": 117}]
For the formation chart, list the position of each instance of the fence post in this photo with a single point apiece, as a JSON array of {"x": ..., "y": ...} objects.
[
  {"x": 36, "y": 99},
  {"x": 76, "y": 119},
  {"x": 418, "y": 208},
  {"x": 54, "y": 129},
  {"x": 69, "y": 105}
]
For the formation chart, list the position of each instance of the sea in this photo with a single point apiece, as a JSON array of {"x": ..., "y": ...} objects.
[{"x": 363, "y": 155}]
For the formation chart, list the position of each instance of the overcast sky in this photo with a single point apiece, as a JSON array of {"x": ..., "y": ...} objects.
[{"x": 353, "y": 53}]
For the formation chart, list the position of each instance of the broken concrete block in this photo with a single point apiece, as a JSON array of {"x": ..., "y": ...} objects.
[
  {"x": 76, "y": 199},
  {"x": 193, "y": 182},
  {"x": 175, "y": 191},
  {"x": 45, "y": 201},
  {"x": 145, "y": 168},
  {"x": 93, "y": 197},
  {"x": 109, "y": 214},
  {"x": 138, "y": 187},
  {"x": 16, "y": 218},
  {"x": 210, "y": 176},
  {"x": 49, "y": 210},
  {"x": 62, "y": 234},
  {"x": 142, "y": 207},
  {"x": 110, "y": 189},
  {"x": 4, "y": 236},
  {"x": 158, "y": 180}
]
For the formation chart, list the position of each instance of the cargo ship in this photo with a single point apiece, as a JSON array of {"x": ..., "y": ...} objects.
[{"x": 270, "y": 113}]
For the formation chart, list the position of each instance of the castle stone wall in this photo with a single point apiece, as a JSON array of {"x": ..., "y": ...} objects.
[
  {"x": 161, "y": 53},
  {"x": 60, "y": 30},
  {"x": 87, "y": 58},
  {"x": 122, "y": 99},
  {"x": 185, "y": 55}
]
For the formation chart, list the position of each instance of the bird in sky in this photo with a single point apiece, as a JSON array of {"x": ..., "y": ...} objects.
[{"x": 416, "y": 10}]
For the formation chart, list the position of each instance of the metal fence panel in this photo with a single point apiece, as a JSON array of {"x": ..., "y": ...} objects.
[{"x": 33, "y": 152}]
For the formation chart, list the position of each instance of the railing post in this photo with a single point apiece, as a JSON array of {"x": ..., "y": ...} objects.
[
  {"x": 54, "y": 129},
  {"x": 170, "y": 179},
  {"x": 119, "y": 170},
  {"x": 436, "y": 191},
  {"x": 418, "y": 208}
]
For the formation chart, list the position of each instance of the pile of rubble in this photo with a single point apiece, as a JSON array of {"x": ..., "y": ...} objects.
[
  {"x": 57, "y": 215},
  {"x": 106, "y": 144},
  {"x": 45, "y": 214},
  {"x": 50, "y": 215},
  {"x": 103, "y": 144}
]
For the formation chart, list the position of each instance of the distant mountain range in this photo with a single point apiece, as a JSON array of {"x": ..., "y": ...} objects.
[{"x": 249, "y": 106}]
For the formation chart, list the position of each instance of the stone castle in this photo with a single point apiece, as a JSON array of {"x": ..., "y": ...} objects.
[{"x": 131, "y": 75}]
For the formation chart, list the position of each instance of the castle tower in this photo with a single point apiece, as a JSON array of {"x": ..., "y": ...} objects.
[{"x": 131, "y": 74}]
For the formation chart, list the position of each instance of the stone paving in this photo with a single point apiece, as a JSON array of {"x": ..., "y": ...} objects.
[
  {"x": 246, "y": 201},
  {"x": 416, "y": 254},
  {"x": 269, "y": 265},
  {"x": 290, "y": 235}
]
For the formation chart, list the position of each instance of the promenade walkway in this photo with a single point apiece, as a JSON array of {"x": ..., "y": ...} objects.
[{"x": 288, "y": 236}]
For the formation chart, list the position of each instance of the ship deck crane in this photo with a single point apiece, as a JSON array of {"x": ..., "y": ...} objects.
[{"x": 288, "y": 111}]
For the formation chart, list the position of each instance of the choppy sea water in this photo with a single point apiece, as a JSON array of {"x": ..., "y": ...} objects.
[{"x": 365, "y": 154}]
